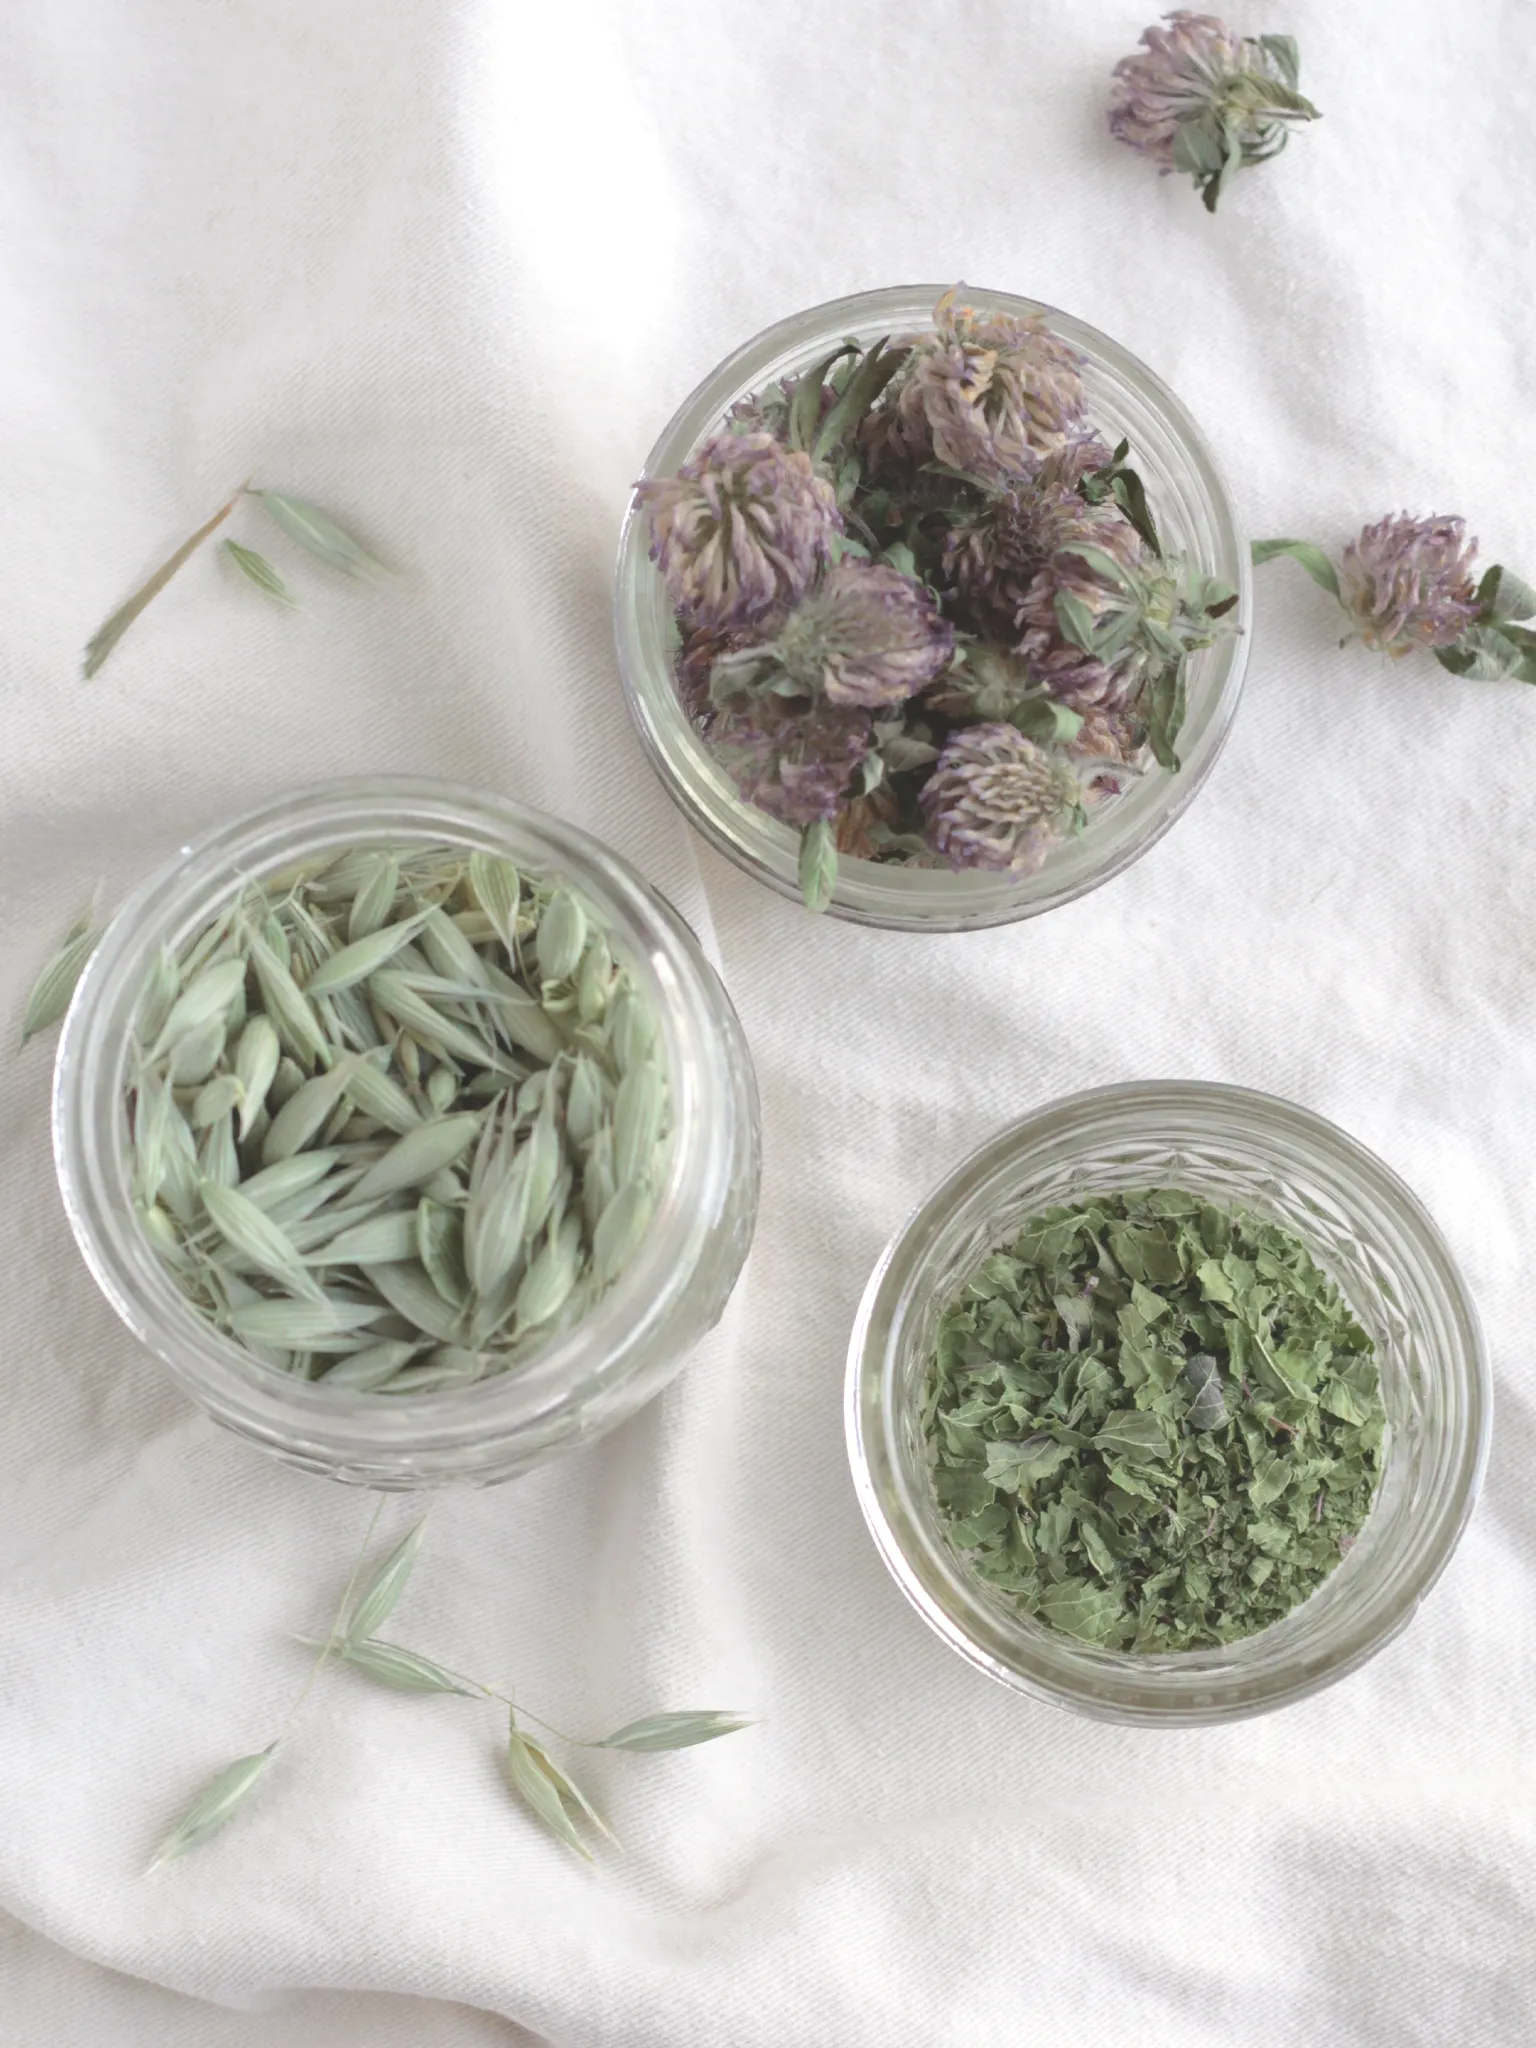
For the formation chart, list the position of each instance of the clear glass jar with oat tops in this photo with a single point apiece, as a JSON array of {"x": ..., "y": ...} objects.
[
  {"x": 1195, "y": 517},
  {"x": 1362, "y": 1226},
  {"x": 582, "y": 1380}
]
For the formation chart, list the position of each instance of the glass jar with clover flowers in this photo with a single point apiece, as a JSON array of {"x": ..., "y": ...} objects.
[{"x": 932, "y": 607}]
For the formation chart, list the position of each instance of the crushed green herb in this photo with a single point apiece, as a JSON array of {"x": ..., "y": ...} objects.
[{"x": 1152, "y": 1422}]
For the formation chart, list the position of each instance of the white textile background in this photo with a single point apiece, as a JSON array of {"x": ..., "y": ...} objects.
[{"x": 445, "y": 266}]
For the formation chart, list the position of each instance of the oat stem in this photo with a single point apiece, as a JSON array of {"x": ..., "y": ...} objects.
[
  {"x": 107, "y": 636},
  {"x": 336, "y": 1626}
]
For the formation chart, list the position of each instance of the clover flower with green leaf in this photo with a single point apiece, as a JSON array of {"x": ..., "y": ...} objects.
[
  {"x": 1408, "y": 583},
  {"x": 1202, "y": 99}
]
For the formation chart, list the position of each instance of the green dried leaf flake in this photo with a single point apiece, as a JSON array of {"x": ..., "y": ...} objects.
[
  {"x": 1152, "y": 1421},
  {"x": 1015, "y": 1468}
]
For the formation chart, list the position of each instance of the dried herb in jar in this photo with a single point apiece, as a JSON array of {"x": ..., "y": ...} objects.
[
  {"x": 396, "y": 1117},
  {"x": 924, "y": 610},
  {"x": 1152, "y": 1422}
]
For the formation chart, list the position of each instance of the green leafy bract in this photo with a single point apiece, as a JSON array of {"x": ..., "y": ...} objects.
[{"x": 1307, "y": 553}]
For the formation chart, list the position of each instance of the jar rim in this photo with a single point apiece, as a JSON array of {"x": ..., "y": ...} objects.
[
  {"x": 337, "y": 1425},
  {"x": 887, "y": 895},
  {"x": 1188, "y": 1687}
]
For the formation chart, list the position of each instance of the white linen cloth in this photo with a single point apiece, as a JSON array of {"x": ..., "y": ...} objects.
[{"x": 445, "y": 266}]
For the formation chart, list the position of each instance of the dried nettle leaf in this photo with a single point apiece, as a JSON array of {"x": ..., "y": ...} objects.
[{"x": 1152, "y": 1421}]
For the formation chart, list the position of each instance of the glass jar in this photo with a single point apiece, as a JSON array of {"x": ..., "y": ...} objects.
[
  {"x": 586, "y": 1379},
  {"x": 1194, "y": 514},
  {"x": 1361, "y": 1224}
]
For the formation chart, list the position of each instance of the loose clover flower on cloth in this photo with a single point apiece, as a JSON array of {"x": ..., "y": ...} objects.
[
  {"x": 1202, "y": 99},
  {"x": 1409, "y": 583},
  {"x": 925, "y": 615}
]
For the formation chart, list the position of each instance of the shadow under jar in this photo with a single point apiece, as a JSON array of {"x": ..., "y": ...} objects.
[
  {"x": 1362, "y": 1226},
  {"x": 583, "y": 1380},
  {"x": 1195, "y": 517}
]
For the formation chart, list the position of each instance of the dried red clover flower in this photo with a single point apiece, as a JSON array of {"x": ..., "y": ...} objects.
[
  {"x": 997, "y": 800},
  {"x": 865, "y": 635},
  {"x": 1201, "y": 98},
  {"x": 741, "y": 529},
  {"x": 985, "y": 393},
  {"x": 1011, "y": 559},
  {"x": 792, "y": 761},
  {"x": 1408, "y": 583}
]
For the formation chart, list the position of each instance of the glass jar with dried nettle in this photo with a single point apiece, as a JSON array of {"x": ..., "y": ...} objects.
[
  {"x": 1169, "y": 1405},
  {"x": 932, "y": 608},
  {"x": 410, "y": 1129}
]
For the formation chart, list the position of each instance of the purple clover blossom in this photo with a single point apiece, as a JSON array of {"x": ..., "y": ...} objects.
[
  {"x": 1408, "y": 583},
  {"x": 1203, "y": 99},
  {"x": 996, "y": 800},
  {"x": 793, "y": 762},
  {"x": 1179, "y": 75},
  {"x": 1155, "y": 613},
  {"x": 741, "y": 530},
  {"x": 1009, "y": 562},
  {"x": 866, "y": 635},
  {"x": 985, "y": 393}
]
